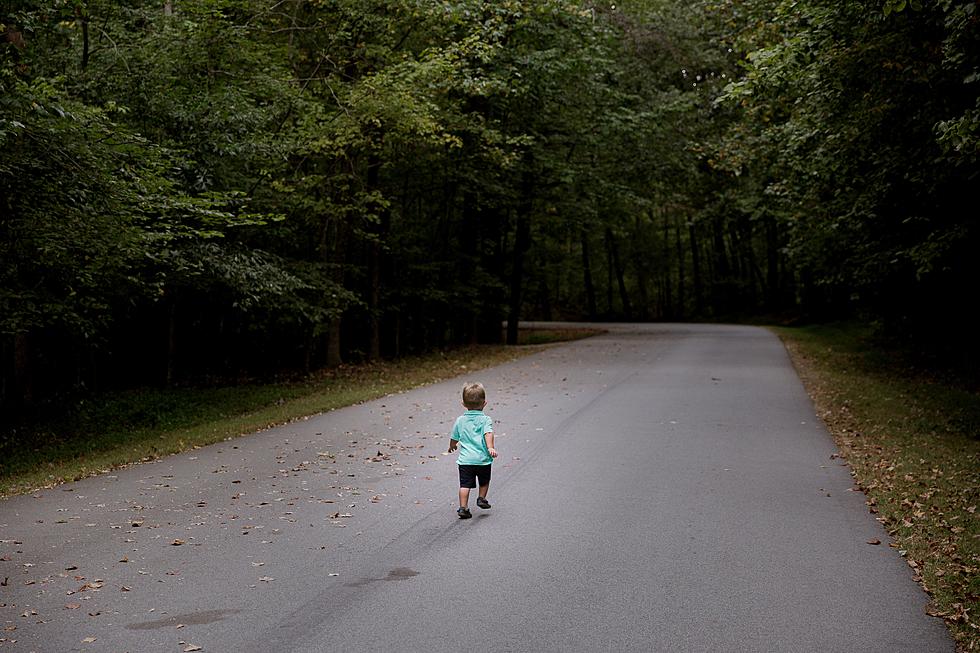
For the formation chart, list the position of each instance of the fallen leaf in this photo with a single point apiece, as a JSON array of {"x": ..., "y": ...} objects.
[
  {"x": 193, "y": 647},
  {"x": 266, "y": 579},
  {"x": 176, "y": 542},
  {"x": 89, "y": 640},
  {"x": 72, "y": 606},
  {"x": 875, "y": 541}
]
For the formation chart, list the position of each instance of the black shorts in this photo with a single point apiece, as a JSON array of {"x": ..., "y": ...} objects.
[{"x": 468, "y": 474}]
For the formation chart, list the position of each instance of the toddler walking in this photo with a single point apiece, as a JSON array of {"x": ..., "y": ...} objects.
[{"x": 473, "y": 435}]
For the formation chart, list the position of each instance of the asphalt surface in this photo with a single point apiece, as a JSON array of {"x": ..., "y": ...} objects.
[{"x": 659, "y": 488}]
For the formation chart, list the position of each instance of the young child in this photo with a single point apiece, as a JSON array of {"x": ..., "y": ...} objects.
[{"x": 473, "y": 434}]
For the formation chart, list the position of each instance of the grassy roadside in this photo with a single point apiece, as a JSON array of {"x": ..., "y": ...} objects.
[
  {"x": 913, "y": 444},
  {"x": 92, "y": 436}
]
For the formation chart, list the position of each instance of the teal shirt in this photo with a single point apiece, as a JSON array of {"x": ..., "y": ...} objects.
[{"x": 468, "y": 431}]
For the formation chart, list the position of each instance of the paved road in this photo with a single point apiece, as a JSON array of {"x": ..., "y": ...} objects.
[{"x": 660, "y": 488}]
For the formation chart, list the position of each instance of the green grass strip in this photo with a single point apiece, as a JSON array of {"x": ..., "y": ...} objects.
[
  {"x": 68, "y": 441},
  {"x": 95, "y": 435},
  {"x": 912, "y": 440}
]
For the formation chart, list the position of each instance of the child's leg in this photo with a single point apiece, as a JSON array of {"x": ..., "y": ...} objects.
[
  {"x": 484, "y": 479},
  {"x": 464, "y": 497}
]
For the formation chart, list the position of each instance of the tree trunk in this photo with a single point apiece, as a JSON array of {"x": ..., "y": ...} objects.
[
  {"x": 374, "y": 303},
  {"x": 618, "y": 268},
  {"x": 720, "y": 250},
  {"x": 609, "y": 280},
  {"x": 681, "y": 309},
  {"x": 753, "y": 272},
  {"x": 375, "y": 262},
  {"x": 587, "y": 274},
  {"x": 522, "y": 241},
  {"x": 333, "y": 250},
  {"x": 470, "y": 247},
  {"x": 772, "y": 298},
  {"x": 83, "y": 19},
  {"x": 642, "y": 268},
  {"x": 696, "y": 271},
  {"x": 333, "y": 350},
  {"x": 668, "y": 299}
]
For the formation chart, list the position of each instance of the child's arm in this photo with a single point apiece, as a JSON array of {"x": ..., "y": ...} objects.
[
  {"x": 452, "y": 445},
  {"x": 488, "y": 437}
]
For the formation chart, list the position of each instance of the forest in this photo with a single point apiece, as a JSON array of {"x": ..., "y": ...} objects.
[{"x": 202, "y": 191}]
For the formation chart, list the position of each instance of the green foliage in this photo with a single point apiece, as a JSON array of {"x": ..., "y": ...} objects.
[
  {"x": 865, "y": 123},
  {"x": 314, "y": 180},
  {"x": 67, "y": 234}
]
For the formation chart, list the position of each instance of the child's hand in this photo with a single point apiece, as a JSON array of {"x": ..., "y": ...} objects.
[
  {"x": 452, "y": 445},
  {"x": 493, "y": 453}
]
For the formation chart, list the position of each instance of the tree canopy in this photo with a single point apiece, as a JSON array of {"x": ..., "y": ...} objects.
[{"x": 202, "y": 188}]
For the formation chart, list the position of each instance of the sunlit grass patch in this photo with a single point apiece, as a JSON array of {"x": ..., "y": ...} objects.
[{"x": 912, "y": 440}]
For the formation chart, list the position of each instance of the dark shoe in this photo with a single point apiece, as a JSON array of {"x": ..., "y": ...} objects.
[
  {"x": 464, "y": 513},
  {"x": 483, "y": 503}
]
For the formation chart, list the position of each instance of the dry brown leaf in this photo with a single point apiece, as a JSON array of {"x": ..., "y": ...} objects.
[{"x": 874, "y": 541}]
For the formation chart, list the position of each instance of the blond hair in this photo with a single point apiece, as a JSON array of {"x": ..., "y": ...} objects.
[{"x": 474, "y": 396}]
